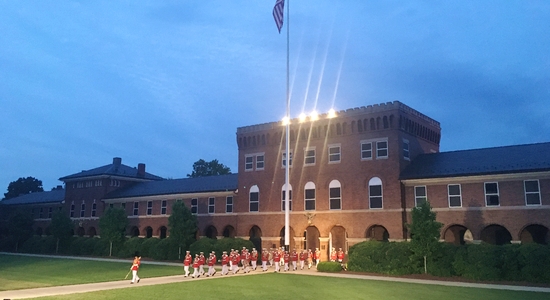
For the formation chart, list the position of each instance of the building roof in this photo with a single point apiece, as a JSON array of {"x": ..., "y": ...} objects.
[
  {"x": 55, "y": 196},
  {"x": 178, "y": 186},
  {"x": 114, "y": 169},
  {"x": 487, "y": 161}
]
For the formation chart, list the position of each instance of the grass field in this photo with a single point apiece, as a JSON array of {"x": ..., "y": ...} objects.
[
  {"x": 18, "y": 272},
  {"x": 293, "y": 286},
  {"x": 21, "y": 272}
]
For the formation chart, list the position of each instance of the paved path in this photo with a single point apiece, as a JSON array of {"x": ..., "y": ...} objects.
[{"x": 91, "y": 287}]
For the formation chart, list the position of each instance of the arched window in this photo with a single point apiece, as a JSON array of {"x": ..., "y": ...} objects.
[
  {"x": 335, "y": 195},
  {"x": 254, "y": 198},
  {"x": 375, "y": 193},
  {"x": 283, "y": 198},
  {"x": 309, "y": 196}
]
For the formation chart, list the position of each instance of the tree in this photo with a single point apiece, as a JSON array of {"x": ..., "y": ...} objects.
[
  {"x": 23, "y": 186},
  {"x": 112, "y": 226},
  {"x": 202, "y": 168},
  {"x": 61, "y": 228},
  {"x": 20, "y": 226},
  {"x": 182, "y": 225},
  {"x": 425, "y": 232}
]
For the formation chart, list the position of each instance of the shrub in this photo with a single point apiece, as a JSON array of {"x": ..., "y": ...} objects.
[
  {"x": 205, "y": 245},
  {"x": 534, "y": 260},
  {"x": 131, "y": 247},
  {"x": 329, "y": 266},
  {"x": 148, "y": 246},
  {"x": 31, "y": 245},
  {"x": 478, "y": 262},
  {"x": 441, "y": 261}
]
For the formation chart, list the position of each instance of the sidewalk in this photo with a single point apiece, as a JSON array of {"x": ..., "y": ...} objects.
[{"x": 91, "y": 287}]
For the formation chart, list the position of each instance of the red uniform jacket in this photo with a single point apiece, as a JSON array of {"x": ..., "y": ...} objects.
[{"x": 187, "y": 260}]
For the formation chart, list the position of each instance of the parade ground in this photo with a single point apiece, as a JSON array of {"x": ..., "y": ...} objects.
[{"x": 24, "y": 277}]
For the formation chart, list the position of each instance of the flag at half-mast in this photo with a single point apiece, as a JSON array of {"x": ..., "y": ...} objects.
[{"x": 278, "y": 10}]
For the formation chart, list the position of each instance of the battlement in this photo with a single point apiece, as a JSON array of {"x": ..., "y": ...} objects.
[{"x": 350, "y": 112}]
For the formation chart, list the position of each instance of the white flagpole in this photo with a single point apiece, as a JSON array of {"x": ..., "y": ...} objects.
[{"x": 287, "y": 146}]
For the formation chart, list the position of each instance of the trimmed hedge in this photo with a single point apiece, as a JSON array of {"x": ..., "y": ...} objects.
[
  {"x": 482, "y": 262},
  {"x": 329, "y": 266}
]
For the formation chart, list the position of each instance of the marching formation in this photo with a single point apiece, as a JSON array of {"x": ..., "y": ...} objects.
[{"x": 246, "y": 261}]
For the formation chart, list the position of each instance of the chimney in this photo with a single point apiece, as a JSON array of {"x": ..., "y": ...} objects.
[
  {"x": 117, "y": 161},
  {"x": 141, "y": 170}
]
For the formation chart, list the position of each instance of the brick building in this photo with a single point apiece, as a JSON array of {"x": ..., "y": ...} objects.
[{"x": 354, "y": 175}]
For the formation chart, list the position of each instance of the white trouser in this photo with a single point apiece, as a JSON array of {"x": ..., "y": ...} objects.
[
  {"x": 134, "y": 276},
  {"x": 302, "y": 264},
  {"x": 186, "y": 270},
  {"x": 264, "y": 265},
  {"x": 225, "y": 270}
]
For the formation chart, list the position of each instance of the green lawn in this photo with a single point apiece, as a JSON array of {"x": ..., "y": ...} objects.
[
  {"x": 17, "y": 272},
  {"x": 293, "y": 286},
  {"x": 21, "y": 272}
]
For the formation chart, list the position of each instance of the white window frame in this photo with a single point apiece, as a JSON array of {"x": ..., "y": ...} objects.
[
  {"x": 334, "y": 184},
  {"x": 149, "y": 208},
  {"x": 532, "y": 192},
  {"x": 378, "y": 149},
  {"x": 376, "y": 181},
  {"x": 309, "y": 154},
  {"x": 283, "y": 190},
  {"x": 195, "y": 206},
  {"x": 163, "y": 207},
  {"x": 260, "y": 161},
  {"x": 418, "y": 197},
  {"x": 50, "y": 212},
  {"x": 94, "y": 209},
  {"x": 487, "y": 195},
  {"x": 71, "y": 212},
  {"x": 283, "y": 159},
  {"x": 310, "y": 186},
  {"x": 82, "y": 209},
  {"x": 364, "y": 152},
  {"x": 453, "y": 195},
  {"x": 248, "y": 163},
  {"x": 334, "y": 158},
  {"x": 41, "y": 213},
  {"x": 211, "y": 205},
  {"x": 135, "y": 209},
  {"x": 254, "y": 190},
  {"x": 406, "y": 149},
  {"x": 229, "y": 204}
]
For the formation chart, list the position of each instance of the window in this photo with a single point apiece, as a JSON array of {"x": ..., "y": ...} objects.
[
  {"x": 334, "y": 154},
  {"x": 149, "y": 208},
  {"x": 366, "y": 150},
  {"x": 50, "y": 211},
  {"x": 229, "y": 204},
  {"x": 111, "y": 205},
  {"x": 283, "y": 198},
  {"x": 248, "y": 163},
  {"x": 381, "y": 149},
  {"x": 123, "y": 205},
  {"x": 406, "y": 153},
  {"x": 284, "y": 159},
  {"x": 260, "y": 162},
  {"x": 136, "y": 208},
  {"x": 89, "y": 183},
  {"x": 375, "y": 193},
  {"x": 491, "y": 194},
  {"x": 82, "y": 209},
  {"x": 335, "y": 198},
  {"x": 33, "y": 212},
  {"x": 115, "y": 182},
  {"x": 94, "y": 208},
  {"x": 455, "y": 198},
  {"x": 41, "y": 214},
  {"x": 98, "y": 183},
  {"x": 254, "y": 198},
  {"x": 309, "y": 196},
  {"x": 80, "y": 184},
  {"x": 309, "y": 156},
  {"x": 420, "y": 195},
  {"x": 532, "y": 192},
  {"x": 211, "y": 205},
  {"x": 163, "y": 207},
  {"x": 72, "y": 210},
  {"x": 194, "y": 206}
]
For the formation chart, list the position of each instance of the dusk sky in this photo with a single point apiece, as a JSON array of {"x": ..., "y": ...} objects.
[{"x": 167, "y": 83}]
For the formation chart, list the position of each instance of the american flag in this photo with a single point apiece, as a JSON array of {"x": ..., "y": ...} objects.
[{"x": 278, "y": 10}]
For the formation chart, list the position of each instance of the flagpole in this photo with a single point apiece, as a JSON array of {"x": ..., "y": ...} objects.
[{"x": 287, "y": 144}]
